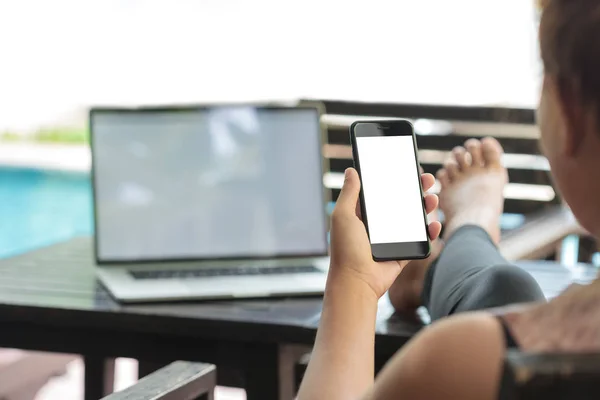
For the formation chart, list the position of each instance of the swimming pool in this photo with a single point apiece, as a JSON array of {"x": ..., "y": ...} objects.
[{"x": 38, "y": 208}]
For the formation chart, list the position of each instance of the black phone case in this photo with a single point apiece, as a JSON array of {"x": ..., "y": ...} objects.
[{"x": 356, "y": 162}]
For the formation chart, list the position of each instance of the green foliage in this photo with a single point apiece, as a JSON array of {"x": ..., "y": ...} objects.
[
  {"x": 50, "y": 135},
  {"x": 73, "y": 136},
  {"x": 10, "y": 137}
]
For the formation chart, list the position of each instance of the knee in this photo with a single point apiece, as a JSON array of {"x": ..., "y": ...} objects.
[
  {"x": 499, "y": 286},
  {"x": 508, "y": 276},
  {"x": 508, "y": 284}
]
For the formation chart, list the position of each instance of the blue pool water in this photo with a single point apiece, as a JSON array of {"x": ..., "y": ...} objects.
[{"x": 38, "y": 208}]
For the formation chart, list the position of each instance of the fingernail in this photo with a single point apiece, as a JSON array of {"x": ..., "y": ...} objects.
[{"x": 347, "y": 173}]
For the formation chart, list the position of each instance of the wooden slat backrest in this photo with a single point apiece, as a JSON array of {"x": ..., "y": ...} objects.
[{"x": 441, "y": 128}]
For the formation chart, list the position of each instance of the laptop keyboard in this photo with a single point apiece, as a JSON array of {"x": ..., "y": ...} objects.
[{"x": 218, "y": 272}]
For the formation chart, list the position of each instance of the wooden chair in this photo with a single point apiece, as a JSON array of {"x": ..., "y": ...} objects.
[
  {"x": 177, "y": 381},
  {"x": 550, "y": 376},
  {"x": 531, "y": 202}
]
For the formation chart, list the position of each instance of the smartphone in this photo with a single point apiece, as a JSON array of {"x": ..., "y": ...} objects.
[{"x": 391, "y": 197}]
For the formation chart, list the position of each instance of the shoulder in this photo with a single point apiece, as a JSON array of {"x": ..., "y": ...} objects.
[{"x": 459, "y": 357}]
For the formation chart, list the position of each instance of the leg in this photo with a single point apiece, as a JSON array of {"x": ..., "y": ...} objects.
[
  {"x": 469, "y": 272},
  {"x": 262, "y": 372},
  {"x": 99, "y": 377},
  {"x": 289, "y": 357},
  {"x": 145, "y": 368},
  {"x": 208, "y": 396}
]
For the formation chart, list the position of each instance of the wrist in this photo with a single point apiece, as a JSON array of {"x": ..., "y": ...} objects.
[{"x": 347, "y": 282}]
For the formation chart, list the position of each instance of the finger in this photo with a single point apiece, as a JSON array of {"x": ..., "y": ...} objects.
[
  {"x": 431, "y": 203},
  {"x": 421, "y": 170},
  {"x": 435, "y": 228},
  {"x": 348, "y": 198},
  {"x": 427, "y": 181}
]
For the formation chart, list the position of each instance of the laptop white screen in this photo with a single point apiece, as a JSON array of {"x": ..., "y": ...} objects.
[{"x": 223, "y": 182}]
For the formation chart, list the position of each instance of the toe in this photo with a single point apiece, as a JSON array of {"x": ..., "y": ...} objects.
[
  {"x": 442, "y": 176},
  {"x": 451, "y": 167},
  {"x": 474, "y": 148},
  {"x": 460, "y": 154},
  {"x": 492, "y": 151}
]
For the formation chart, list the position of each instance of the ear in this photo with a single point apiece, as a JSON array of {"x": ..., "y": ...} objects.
[{"x": 573, "y": 115}]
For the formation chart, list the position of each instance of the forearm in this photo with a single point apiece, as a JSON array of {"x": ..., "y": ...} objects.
[{"x": 342, "y": 361}]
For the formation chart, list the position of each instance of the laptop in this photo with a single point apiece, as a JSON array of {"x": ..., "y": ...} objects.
[{"x": 209, "y": 202}]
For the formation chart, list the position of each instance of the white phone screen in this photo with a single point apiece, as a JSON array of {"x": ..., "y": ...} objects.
[{"x": 392, "y": 195}]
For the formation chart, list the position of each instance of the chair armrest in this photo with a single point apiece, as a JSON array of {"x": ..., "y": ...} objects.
[
  {"x": 550, "y": 376},
  {"x": 539, "y": 236},
  {"x": 177, "y": 381}
]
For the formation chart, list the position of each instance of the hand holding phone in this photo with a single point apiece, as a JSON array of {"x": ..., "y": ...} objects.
[
  {"x": 391, "y": 197},
  {"x": 351, "y": 258}
]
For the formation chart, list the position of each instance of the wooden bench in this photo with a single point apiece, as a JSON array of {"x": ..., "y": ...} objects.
[{"x": 177, "y": 381}]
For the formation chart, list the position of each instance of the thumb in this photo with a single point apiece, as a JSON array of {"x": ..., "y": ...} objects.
[{"x": 348, "y": 197}]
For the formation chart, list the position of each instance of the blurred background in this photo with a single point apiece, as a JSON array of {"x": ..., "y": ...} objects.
[{"x": 59, "y": 57}]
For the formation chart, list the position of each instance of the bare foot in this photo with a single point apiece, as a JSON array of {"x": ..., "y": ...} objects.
[{"x": 473, "y": 181}]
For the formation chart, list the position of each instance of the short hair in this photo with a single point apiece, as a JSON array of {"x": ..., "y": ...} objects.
[{"x": 570, "y": 45}]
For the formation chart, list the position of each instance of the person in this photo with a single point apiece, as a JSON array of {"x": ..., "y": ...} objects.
[{"x": 460, "y": 355}]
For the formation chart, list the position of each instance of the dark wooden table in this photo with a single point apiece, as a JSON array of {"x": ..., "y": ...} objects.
[{"x": 50, "y": 300}]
